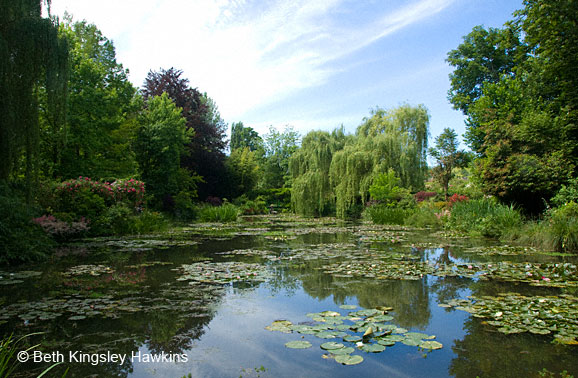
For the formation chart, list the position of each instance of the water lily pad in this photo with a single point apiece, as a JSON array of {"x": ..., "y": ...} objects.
[
  {"x": 430, "y": 345},
  {"x": 325, "y": 335},
  {"x": 386, "y": 342},
  {"x": 299, "y": 344},
  {"x": 411, "y": 342},
  {"x": 329, "y": 313},
  {"x": 373, "y": 348},
  {"x": 349, "y": 359},
  {"x": 284, "y": 326},
  {"x": 342, "y": 351},
  {"x": 348, "y": 307},
  {"x": 394, "y": 338},
  {"x": 352, "y": 338},
  {"x": 332, "y": 345},
  {"x": 382, "y": 318},
  {"x": 416, "y": 335},
  {"x": 343, "y": 327}
]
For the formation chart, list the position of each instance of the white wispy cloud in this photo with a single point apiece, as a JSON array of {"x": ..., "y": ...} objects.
[{"x": 243, "y": 53}]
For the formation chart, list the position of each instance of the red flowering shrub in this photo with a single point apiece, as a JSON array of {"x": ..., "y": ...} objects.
[{"x": 457, "y": 198}]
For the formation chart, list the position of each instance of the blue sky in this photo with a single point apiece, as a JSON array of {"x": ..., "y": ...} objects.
[{"x": 313, "y": 64}]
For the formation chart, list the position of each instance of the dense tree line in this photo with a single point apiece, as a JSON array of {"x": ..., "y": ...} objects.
[
  {"x": 518, "y": 88},
  {"x": 71, "y": 120}
]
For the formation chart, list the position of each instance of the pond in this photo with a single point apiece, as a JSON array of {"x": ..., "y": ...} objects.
[{"x": 279, "y": 296}]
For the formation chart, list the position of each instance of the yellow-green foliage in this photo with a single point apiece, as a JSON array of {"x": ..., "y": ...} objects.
[
  {"x": 339, "y": 169},
  {"x": 395, "y": 139},
  {"x": 312, "y": 192}
]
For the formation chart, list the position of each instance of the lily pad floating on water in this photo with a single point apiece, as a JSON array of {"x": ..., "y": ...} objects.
[
  {"x": 347, "y": 359},
  {"x": 348, "y": 307},
  {"x": 370, "y": 337},
  {"x": 352, "y": 338},
  {"x": 431, "y": 345},
  {"x": 299, "y": 344},
  {"x": 223, "y": 272},
  {"x": 515, "y": 313},
  {"x": 332, "y": 345},
  {"x": 373, "y": 348},
  {"x": 342, "y": 351},
  {"x": 281, "y": 326},
  {"x": 92, "y": 270}
]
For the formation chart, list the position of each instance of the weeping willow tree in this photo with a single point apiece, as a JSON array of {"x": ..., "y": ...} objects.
[
  {"x": 311, "y": 192},
  {"x": 394, "y": 139},
  {"x": 33, "y": 60}
]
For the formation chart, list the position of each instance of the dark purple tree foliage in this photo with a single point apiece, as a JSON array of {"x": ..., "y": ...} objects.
[{"x": 206, "y": 150}]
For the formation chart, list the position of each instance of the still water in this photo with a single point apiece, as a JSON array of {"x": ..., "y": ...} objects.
[{"x": 198, "y": 302}]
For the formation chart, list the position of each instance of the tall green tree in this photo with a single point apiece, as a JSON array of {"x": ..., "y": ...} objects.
[
  {"x": 101, "y": 109},
  {"x": 311, "y": 191},
  {"x": 244, "y": 169},
  {"x": 279, "y": 146},
  {"x": 447, "y": 157},
  {"x": 32, "y": 56},
  {"x": 523, "y": 121},
  {"x": 243, "y": 136},
  {"x": 484, "y": 56},
  {"x": 337, "y": 169},
  {"x": 206, "y": 149},
  {"x": 159, "y": 145}
]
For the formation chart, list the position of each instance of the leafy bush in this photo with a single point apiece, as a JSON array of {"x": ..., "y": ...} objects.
[
  {"x": 280, "y": 198},
  {"x": 423, "y": 196},
  {"x": 424, "y": 217},
  {"x": 149, "y": 221},
  {"x": 252, "y": 207},
  {"x": 21, "y": 240},
  {"x": 486, "y": 217},
  {"x": 383, "y": 214},
  {"x": 386, "y": 188},
  {"x": 225, "y": 213},
  {"x": 184, "y": 208},
  {"x": 116, "y": 220},
  {"x": 567, "y": 193},
  {"x": 121, "y": 220}
]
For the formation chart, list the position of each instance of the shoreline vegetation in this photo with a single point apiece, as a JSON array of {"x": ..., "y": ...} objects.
[{"x": 98, "y": 156}]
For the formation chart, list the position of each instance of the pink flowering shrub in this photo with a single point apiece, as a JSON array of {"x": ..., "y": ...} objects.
[
  {"x": 60, "y": 229},
  {"x": 128, "y": 191}
]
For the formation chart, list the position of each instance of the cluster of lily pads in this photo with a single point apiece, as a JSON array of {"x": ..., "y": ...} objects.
[
  {"x": 536, "y": 274},
  {"x": 93, "y": 270},
  {"x": 223, "y": 272},
  {"x": 502, "y": 250},
  {"x": 132, "y": 244},
  {"x": 78, "y": 307},
  {"x": 515, "y": 313},
  {"x": 366, "y": 330},
  {"x": 386, "y": 270},
  {"x": 17, "y": 277}
]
